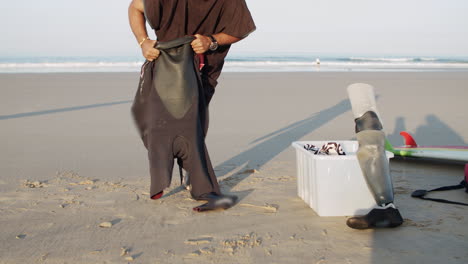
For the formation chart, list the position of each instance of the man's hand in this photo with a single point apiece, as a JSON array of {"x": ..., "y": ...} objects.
[
  {"x": 201, "y": 44},
  {"x": 148, "y": 50}
]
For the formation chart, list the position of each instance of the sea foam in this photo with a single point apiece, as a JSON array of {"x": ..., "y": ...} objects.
[{"x": 242, "y": 64}]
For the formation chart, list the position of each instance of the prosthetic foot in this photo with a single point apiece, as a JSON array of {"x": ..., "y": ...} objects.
[
  {"x": 215, "y": 201},
  {"x": 377, "y": 218}
]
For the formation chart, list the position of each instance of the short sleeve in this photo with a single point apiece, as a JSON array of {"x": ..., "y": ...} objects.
[
  {"x": 152, "y": 9},
  {"x": 235, "y": 19}
]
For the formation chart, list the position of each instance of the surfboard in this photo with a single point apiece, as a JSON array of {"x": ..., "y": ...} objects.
[{"x": 412, "y": 149}]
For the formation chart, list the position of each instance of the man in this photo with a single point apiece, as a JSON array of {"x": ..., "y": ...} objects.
[{"x": 214, "y": 25}]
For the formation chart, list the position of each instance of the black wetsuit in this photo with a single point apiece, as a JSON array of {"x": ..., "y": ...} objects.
[
  {"x": 176, "y": 130},
  {"x": 170, "y": 111}
]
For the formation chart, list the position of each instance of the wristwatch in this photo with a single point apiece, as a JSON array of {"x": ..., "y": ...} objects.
[{"x": 214, "y": 44}]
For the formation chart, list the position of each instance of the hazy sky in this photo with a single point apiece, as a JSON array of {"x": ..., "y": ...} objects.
[{"x": 357, "y": 27}]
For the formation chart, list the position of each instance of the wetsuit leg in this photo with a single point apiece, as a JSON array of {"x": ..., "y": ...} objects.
[
  {"x": 195, "y": 159},
  {"x": 161, "y": 163},
  {"x": 190, "y": 149}
]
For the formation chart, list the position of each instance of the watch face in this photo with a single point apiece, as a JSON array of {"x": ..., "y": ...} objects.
[{"x": 213, "y": 45}]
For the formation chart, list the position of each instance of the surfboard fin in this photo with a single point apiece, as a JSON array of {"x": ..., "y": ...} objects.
[{"x": 409, "y": 140}]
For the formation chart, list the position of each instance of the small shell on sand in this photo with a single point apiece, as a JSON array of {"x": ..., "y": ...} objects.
[
  {"x": 105, "y": 224},
  {"x": 20, "y": 236},
  {"x": 35, "y": 184},
  {"x": 123, "y": 252},
  {"x": 129, "y": 258}
]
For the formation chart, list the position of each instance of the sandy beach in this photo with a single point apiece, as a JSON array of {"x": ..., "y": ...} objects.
[{"x": 74, "y": 177}]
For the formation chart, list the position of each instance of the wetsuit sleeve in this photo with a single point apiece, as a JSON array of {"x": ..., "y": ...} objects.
[
  {"x": 235, "y": 19},
  {"x": 153, "y": 9}
]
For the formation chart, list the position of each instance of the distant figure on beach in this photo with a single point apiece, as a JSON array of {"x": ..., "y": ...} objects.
[
  {"x": 177, "y": 82},
  {"x": 317, "y": 61}
]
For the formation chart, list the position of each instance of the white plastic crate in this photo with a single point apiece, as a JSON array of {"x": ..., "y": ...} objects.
[{"x": 333, "y": 185}]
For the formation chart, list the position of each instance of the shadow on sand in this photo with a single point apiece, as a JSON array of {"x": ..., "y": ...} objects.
[
  {"x": 434, "y": 132},
  {"x": 420, "y": 231},
  {"x": 269, "y": 146},
  {"x": 60, "y": 110}
]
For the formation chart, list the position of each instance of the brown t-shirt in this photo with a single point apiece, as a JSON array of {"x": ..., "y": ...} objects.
[{"x": 172, "y": 19}]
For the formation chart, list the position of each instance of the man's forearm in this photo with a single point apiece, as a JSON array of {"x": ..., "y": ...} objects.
[
  {"x": 136, "y": 17},
  {"x": 225, "y": 39},
  {"x": 137, "y": 21}
]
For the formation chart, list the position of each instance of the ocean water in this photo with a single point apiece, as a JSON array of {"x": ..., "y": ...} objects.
[{"x": 263, "y": 63}]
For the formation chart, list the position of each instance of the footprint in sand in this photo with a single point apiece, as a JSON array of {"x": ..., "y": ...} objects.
[
  {"x": 203, "y": 251},
  {"x": 250, "y": 240}
]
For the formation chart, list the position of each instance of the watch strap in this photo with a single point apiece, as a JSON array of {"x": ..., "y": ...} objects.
[{"x": 213, "y": 38}]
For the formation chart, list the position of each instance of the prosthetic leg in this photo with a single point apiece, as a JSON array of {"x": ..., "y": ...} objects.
[
  {"x": 170, "y": 113},
  {"x": 372, "y": 160}
]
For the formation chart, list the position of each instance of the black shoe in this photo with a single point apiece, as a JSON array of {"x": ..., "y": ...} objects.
[
  {"x": 215, "y": 201},
  {"x": 388, "y": 217}
]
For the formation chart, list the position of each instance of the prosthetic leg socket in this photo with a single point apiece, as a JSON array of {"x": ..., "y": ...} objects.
[{"x": 374, "y": 165}]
